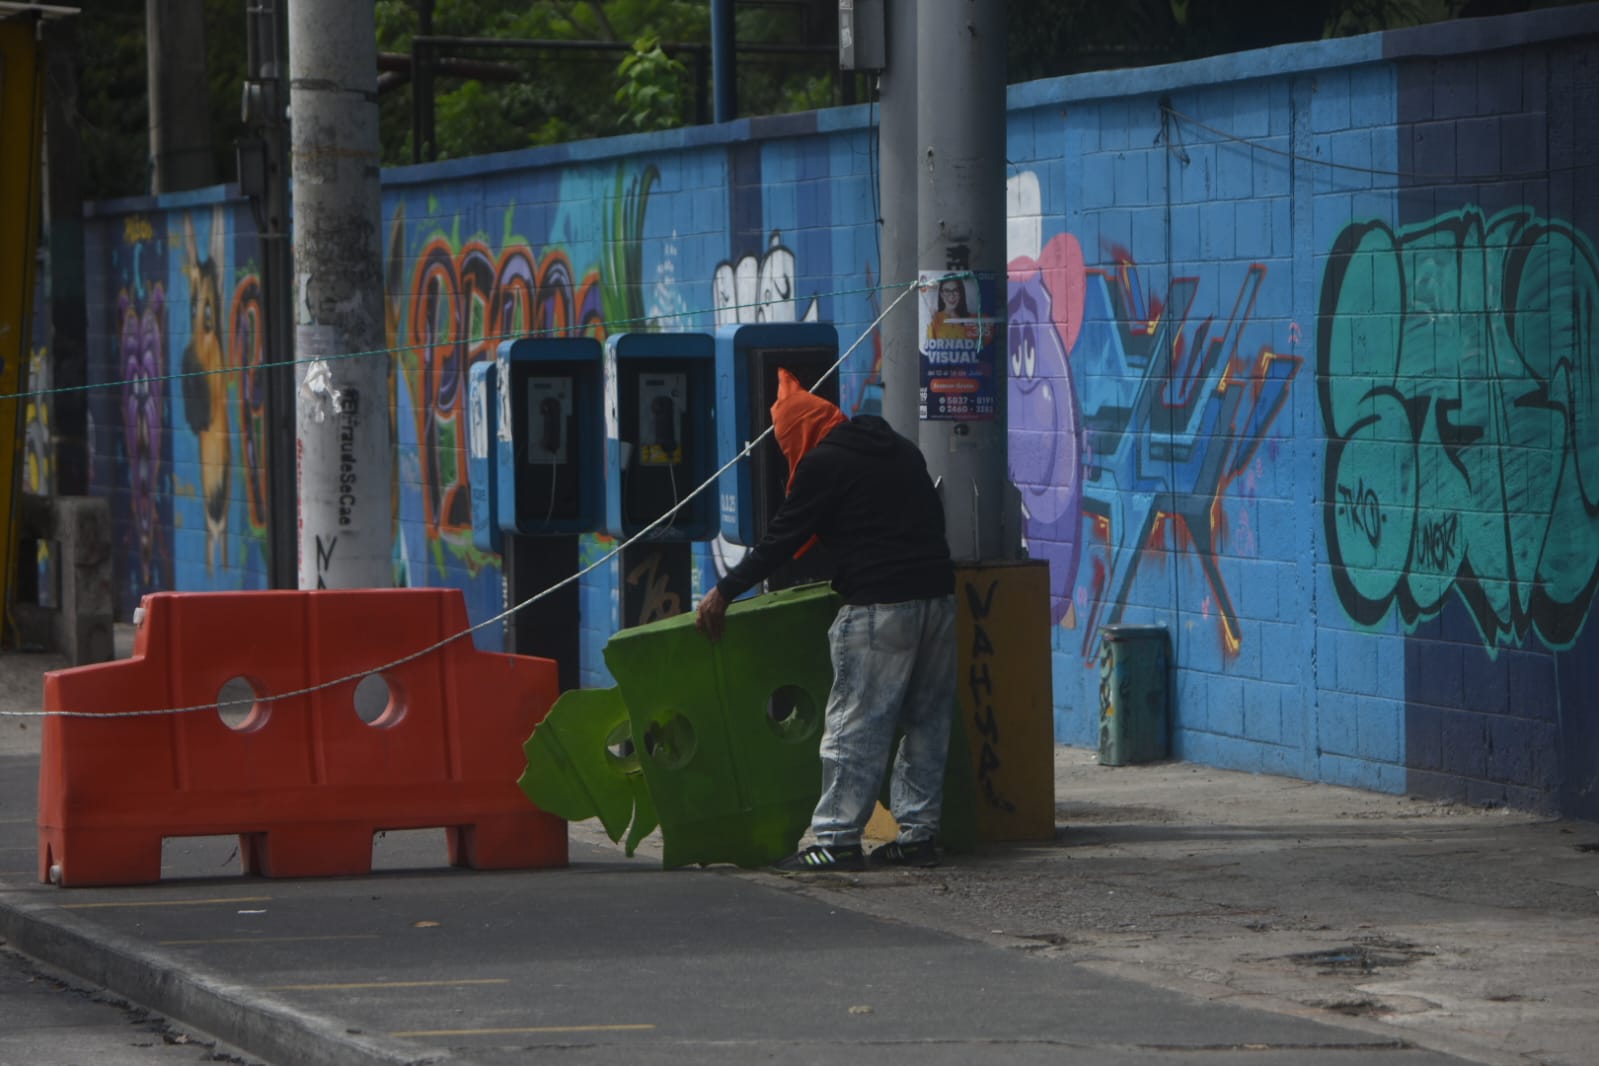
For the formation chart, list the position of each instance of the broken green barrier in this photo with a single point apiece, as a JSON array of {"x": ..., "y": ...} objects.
[
  {"x": 718, "y": 741},
  {"x": 581, "y": 764},
  {"x": 728, "y": 732}
]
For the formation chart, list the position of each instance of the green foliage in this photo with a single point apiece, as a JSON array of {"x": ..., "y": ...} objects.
[
  {"x": 651, "y": 95},
  {"x": 113, "y": 112},
  {"x": 550, "y": 95},
  {"x": 1049, "y": 38},
  {"x": 1367, "y": 16},
  {"x": 558, "y": 94},
  {"x": 114, "y": 120}
]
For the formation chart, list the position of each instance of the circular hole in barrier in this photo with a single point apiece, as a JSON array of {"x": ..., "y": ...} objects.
[
  {"x": 669, "y": 740},
  {"x": 792, "y": 714},
  {"x": 374, "y": 703},
  {"x": 239, "y": 705},
  {"x": 619, "y": 750}
]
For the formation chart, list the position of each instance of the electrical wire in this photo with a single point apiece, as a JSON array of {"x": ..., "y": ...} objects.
[
  {"x": 613, "y": 326},
  {"x": 1439, "y": 179}
]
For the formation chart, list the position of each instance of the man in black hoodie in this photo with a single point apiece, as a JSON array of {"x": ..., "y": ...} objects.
[{"x": 864, "y": 491}]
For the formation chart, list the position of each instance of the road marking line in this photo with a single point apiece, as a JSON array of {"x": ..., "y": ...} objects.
[
  {"x": 217, "y": 901},
  {"x": 265, "y": 939},
  {"x": 520, "y": 1032},
  {"x": 389, "y": 984}
]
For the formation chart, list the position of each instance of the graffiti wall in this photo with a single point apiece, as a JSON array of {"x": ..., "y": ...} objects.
[
  {"x": 38, "y": 463},
  {"x": 1299, "y": 353},
  {"x": 130, "y": 437},
  {"x": 175, "y": 413},
  {"x": 1379, "y": 575}
]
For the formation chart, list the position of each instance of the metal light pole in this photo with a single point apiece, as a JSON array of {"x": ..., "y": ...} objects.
[
  {"x": 263, "y": 163},
  {"x": 180, "y": 147},
  {"x": 723, "y": 57}
]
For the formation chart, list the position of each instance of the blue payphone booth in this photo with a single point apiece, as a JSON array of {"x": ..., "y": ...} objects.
[
  {"x": 747, "y": 361},
  {"x": 482, "y": 421},
  {"x": 549, "y": 462},
  {"x": 658, "y": 439}
]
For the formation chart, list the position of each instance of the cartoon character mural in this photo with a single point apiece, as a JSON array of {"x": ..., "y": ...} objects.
[
  {"x": 140, "y": 365},
  {"x": 38, "y": 445},
  {"x": 1126, "y": 425},
  {"x": 205, "y": 386},
  {"x": 38, "y": 469},
  {"x": 1045, "y": 434},
  {"x": 1459, "y": 387},
  {"x": 247, "y": 343}
]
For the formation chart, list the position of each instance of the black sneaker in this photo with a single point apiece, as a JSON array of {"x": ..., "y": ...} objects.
[
  {"x": 819, "y": 858},
  {"x": 916, "y": 853}
]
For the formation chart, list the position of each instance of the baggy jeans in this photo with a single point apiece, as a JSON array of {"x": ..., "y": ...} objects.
[{"x": 893, "y": 669}]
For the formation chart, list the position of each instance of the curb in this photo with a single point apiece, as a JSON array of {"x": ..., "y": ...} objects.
[{"x": 252, "y": 1021}]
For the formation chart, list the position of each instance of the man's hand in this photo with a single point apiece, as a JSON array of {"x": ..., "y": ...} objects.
[{"x": 712, "y": 610}]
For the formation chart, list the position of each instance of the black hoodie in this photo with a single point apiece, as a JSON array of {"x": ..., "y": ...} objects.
[{"x": 864, "y": 490}]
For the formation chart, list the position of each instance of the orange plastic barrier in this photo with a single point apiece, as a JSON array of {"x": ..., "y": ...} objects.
[{"x": 304, "y": 780}]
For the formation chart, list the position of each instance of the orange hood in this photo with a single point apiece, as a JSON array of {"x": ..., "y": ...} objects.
[{"x": 800, "y": 420}]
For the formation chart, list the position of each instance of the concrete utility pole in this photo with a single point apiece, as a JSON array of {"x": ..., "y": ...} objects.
[
  {"x": 960, "y": 65},
  {"x": 342, "y": 404},
  {"x": 898, "y": 173},
  {"x": 180, "y": 100}
]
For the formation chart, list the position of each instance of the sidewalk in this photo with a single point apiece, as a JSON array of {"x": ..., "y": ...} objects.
[{"x": 1469, "y": 932}]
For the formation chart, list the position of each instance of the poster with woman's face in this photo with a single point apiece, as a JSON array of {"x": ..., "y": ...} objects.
[{"x": 958, "y": 354}]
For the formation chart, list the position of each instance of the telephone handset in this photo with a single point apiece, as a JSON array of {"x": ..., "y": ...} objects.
[
  {"x": 549, "y": 407},
  {"x": 664, "y": 422},
  {"x": 550, "y": 424},
  {"x": 659, "y": 434}
]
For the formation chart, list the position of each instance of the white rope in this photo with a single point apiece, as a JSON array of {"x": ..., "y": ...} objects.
[{"x": 222, "y": 705}]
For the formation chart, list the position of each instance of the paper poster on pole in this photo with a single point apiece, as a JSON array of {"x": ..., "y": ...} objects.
[{"x": 958, "y": 343}]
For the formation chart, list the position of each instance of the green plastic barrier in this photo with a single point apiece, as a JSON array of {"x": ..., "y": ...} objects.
[
  {"x": 716, "y": 743},
  {"x": 581, "y": 764},
  {"x": 728, "y": 732}
]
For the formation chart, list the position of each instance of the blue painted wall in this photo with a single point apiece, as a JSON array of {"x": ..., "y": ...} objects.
[{"x": 1299, "y": 355}]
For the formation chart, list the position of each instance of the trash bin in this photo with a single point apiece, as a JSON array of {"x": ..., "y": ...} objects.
[{"x": 1134, "y": 663}]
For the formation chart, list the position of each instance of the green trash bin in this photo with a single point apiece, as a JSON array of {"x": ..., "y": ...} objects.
[{"x": 1134, "y": 664}]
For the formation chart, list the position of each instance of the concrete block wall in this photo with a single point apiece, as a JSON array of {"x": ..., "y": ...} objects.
[{"x": 1299, "y": 364}]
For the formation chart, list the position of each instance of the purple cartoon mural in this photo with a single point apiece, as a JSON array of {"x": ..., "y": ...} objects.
[{"x": 1046, "y": 440}]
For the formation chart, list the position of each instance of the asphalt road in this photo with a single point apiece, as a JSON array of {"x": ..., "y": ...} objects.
[
  {"x": 617, "y": 960},
  {"x": 1181, "y": 915},
  {"x": 54, "y": 1019}
]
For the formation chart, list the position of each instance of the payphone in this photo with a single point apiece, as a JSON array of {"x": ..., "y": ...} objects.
[
  {"x": 747, "y": 361},
  {"x": 659, "y": 443},
  {"x": 482, "y": 430},
  {"x": 549, "y": 456}
]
